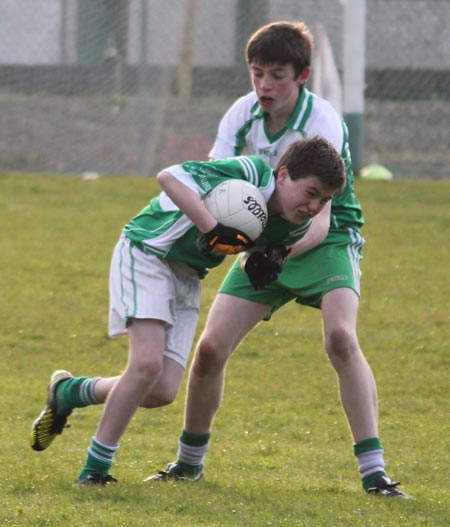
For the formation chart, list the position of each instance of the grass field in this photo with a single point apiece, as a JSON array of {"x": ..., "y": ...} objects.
[{"x": 281, "y": 453}]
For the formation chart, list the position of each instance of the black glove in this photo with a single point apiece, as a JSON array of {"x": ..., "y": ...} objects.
[
  {"x": 227, "y": 240},
  {"x": 263, "y": 267},
  {"x": 277, "y": 252}
]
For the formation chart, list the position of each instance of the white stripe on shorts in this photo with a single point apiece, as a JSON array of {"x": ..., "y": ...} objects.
[
  {"x": 353, "y": 249},
  {"x": 145, "y": 286}
]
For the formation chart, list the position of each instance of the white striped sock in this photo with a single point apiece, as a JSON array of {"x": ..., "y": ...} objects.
[
  {"x": 191, "y": 455},
  {"x": 370, "y": 462}
]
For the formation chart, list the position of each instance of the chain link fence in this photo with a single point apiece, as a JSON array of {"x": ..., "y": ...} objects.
[{"x": 131, "y": 86}]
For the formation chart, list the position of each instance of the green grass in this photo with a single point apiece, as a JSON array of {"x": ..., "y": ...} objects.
[{"x": 281, "y": 453}]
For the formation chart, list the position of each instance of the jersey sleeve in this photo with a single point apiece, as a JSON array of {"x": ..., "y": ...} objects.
[
  {"x": 226, "y": 143},
  {"x": 184, "y": 176},
  {"x": 328, "y": 124},
  {"x": 207, "y": 175},
  {"x": 258, "y": 173}
]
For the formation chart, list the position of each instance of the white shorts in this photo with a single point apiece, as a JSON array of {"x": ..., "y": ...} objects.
[{"x": 145, "y": 286}]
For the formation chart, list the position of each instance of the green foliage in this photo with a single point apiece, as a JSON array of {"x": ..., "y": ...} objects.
[{"x": 281, "y": 453}]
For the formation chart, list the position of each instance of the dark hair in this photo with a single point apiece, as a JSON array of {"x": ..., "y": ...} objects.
[
  {"x": 282, "y": 43},
  {"x": 314, "y": 156}
]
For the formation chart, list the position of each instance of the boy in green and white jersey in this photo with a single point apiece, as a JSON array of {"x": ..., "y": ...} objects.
[
  {"x": 164, "y": 230},
  {"x": 247, "y": 126},
  {"x": 322, "y": 269},
  {"x": 155, "y": 283}
]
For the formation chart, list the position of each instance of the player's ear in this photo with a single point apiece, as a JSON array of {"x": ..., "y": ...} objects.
[
  {"x": 282, "y": 174},
  {"x": 304, "y": 76}
]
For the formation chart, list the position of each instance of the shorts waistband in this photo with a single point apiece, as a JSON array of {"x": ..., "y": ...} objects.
[
  {"x": 177, "y": 266},
  {"x": 139, "y": 245}
]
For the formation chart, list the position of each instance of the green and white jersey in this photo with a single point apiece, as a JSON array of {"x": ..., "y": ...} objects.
[
  {"x": 242, "y": 129},
  {"x": 164, "y": 230}
]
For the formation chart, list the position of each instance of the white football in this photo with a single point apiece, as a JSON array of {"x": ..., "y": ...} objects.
[{"x": 239, "y": 204}]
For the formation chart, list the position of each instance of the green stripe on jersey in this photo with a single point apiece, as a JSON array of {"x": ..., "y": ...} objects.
[{"x": 163, "y": 230}]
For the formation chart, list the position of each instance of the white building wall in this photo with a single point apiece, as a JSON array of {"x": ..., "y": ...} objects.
[
  {"x": 30, "y": 31},
  {"x": 214, "y": 35},
  {"x": 410, "y": 34}
]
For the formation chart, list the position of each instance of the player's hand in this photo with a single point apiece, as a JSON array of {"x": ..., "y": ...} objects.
[
  {"x": 277, "y": 252},
  {"x": 263, "y": 267},
  {"x": 227, "y": 240}
]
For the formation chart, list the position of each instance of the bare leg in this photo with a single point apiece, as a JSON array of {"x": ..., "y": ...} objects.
[
  {"x": 162, "y": 393},
  {"x": 103, "y": 387},
  {"x": 165, "y": 390},
  {"x": 356, "y": 381},
  {"x": 229, "y": 320},
  {"x": 147, "y": 342}
]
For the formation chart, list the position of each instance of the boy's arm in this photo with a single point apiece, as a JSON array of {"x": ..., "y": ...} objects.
[
  {"x": 316, "y": 234},
  {"x": 188, "y": 201},
  {"x": 221, "y": 240}
]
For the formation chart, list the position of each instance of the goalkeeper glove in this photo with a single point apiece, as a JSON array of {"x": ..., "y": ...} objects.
[
  {"x": 278, "y": 253},
  {"x": 227, "y": 240},
  {"x": 263, "y": 267}
]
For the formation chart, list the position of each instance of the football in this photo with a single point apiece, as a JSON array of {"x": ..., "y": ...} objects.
[{"x": 239, "y": 204}]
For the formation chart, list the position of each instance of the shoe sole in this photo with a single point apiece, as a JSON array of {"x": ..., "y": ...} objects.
[
  {"x": 41, "y": 435},
  {"x": 165, "y": 477},
  {"x": 391, "y": 495},
  {"x": 86, "y": 482}
]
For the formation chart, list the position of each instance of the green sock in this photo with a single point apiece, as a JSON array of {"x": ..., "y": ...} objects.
[
  {"x": 191, "y": 451},
  {"x": 99, "y": 459},
  {"x": 370, "y": 481},
  {"x": 369, "y": 453},
  {"x": 75, "y": 393},
  {"x": 194, "y": 439},
  {"x": 371, "y": 443},
  {"x": 190, "y": 470}
]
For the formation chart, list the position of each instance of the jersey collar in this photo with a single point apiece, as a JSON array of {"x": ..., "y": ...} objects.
[
  {"x": 301, "y": 111},
  {"x": 299, "y": 116}
]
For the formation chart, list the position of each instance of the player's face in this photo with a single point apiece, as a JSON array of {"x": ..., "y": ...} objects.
[
  {"x": 276, "y": 86},
  {"x": 298, "y": 201}
]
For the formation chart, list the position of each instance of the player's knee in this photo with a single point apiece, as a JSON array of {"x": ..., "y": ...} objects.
[
  {"x": 160, "y": 397},
  {"x": 209, "y": 357},
  {"x": 341, "y": 344},
  {"x": 147, "y": 370}
]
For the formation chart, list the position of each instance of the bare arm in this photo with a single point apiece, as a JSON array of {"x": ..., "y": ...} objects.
[
  {"x": 188, "y": 201},
  {"x": 315, "y": 234}
]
